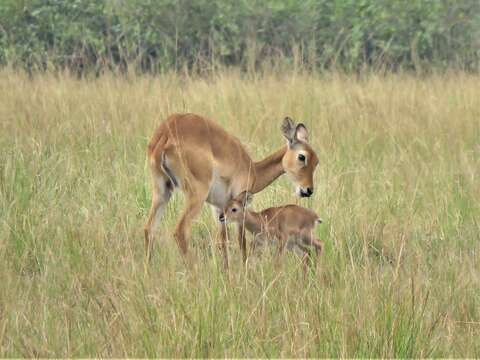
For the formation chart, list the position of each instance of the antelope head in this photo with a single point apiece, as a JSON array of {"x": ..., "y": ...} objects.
[
  {"x": 235, "y": 209},
  {"x": 299, "y": 161}
]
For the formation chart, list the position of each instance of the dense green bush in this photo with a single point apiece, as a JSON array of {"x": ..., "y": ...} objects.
[{"x": 163, "y": 34}]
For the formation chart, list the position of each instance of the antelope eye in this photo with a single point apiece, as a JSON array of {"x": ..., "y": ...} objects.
[
  {"x": 234, "y": 210},
  {"x": 301, "y": 157}
]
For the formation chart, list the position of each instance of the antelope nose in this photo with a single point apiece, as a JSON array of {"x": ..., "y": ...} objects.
[
  {"x": 306, "y": 193},
  {"x": 222, "y": 218}
]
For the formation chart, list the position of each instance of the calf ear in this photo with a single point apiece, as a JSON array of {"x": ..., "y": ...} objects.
[
  {"x": 289, "y": 130},
  {"x": 248, "y": 198},
  {"x": 245, "y": 198}
]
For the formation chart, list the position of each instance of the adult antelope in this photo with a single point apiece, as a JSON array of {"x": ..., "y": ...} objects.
[{"x": 196, "y": 155}]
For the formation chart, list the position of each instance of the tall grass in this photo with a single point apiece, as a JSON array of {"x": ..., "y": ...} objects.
[{"x": 398, "y": 186}]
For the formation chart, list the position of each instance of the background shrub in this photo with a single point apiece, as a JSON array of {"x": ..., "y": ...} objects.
[{"x": 170, "y": 34}]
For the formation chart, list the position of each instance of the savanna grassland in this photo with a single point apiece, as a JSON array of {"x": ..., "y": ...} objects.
[{"x": 398, "y": 187}]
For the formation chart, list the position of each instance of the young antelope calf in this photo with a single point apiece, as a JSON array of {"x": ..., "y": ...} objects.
[{"x": 291, "y": 225}]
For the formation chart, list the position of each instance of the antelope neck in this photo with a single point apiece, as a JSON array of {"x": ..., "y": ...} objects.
[
  {"x": 253, "y": 221},
  {"x": 268, "y": 169}
]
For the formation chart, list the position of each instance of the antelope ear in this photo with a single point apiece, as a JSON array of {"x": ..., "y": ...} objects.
[
  {"x": 248, "y": 198},
  {"x": 301, "y": 133},
  {"x": 289, "y": 130},
  {"x": 245, "y": 198}
]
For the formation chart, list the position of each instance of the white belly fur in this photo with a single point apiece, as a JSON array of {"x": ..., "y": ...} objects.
[{"x": 219, "y": 193}]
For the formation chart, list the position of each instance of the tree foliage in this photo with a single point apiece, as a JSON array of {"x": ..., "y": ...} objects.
[{"x": 156, "y": 35}]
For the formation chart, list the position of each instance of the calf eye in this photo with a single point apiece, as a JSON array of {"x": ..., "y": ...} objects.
[
  {"x": 301, "y": 157},
  {"x": 234, "y": 210}
]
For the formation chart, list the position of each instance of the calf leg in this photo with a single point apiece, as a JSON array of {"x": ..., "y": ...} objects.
[
  {"x": 222, "y": 234},
  {"x": 310, "y": 240},
  {"x": 242, "y": 241},
  {"x": 307, "y": 256},
  {"x": 282, "y": 243},
  {"x": 318, "y": 245}
]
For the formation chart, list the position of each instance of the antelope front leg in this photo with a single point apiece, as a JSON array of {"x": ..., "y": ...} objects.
[
  {"x": 223, "y": 244},
  {"x": 306, "y": 257},
  {"x": 282, "y": 242},
  {"x": 253, "y": 244},
  {"x": 242, "y": 241},
  {"x": 222, "y": 235},
  {"x": 318, "y": 245}
]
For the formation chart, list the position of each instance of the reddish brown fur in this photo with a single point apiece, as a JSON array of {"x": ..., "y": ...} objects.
[
  {"x": 283, "y": 223},
  {"x": 210, "y": 165}
]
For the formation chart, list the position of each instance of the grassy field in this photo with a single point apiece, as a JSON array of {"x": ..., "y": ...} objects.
[{"x": 398, "y": 186}]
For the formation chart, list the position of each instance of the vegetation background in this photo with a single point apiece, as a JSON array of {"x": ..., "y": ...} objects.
[
  {"x": 171, "y": 34},
  {"x": 390, "y": 93}
]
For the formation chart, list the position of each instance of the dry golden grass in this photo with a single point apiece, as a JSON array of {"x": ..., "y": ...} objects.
[{"x": 398, "y": 186}]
